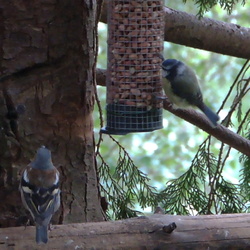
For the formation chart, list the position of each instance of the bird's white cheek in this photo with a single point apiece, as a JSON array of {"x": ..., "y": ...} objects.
[{"x": 164, "y": 73}]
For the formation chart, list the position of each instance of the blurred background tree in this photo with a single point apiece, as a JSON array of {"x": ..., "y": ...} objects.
[{"x": 172, "y": 163}]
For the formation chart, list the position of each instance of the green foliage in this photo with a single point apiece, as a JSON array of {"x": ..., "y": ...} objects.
[
  {"x": 245, "y": 175},
  {"x": 206, "y": 5},
  {"x": 229, "y": 198},
  {"x": 202, "y": 189},
  {"x": 125, "y": 186},
  {"x": 210, "y": 183},
  {"x": 187, "y": 193}
]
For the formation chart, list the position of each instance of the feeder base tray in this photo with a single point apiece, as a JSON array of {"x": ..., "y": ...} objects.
[{"x": 123, "y": 119}]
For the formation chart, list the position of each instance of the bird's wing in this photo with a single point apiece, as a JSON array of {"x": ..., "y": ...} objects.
[
  {"x": 190, "y": 92},
  {"x": 41, "y": 202}
]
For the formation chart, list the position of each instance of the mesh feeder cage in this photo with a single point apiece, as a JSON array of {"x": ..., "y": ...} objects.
[{"x": 135, "y": 40}]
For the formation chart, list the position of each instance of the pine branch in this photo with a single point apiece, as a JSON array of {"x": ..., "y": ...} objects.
[
  {"x": 127, "y": 186},
  {"x": 245, "y": 175},
  {"x": 206, "y": 5},
  {"x": 202, "y": 189}
]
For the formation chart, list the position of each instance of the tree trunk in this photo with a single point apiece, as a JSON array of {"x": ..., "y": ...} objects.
[
  {"x": 48, "y": 54},
  {"x": 229, "y": 231}
]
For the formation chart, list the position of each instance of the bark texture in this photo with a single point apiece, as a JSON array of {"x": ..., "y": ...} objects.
[
  {"x": 48, "y": 54},
  {"x": 231, "y": 231}
]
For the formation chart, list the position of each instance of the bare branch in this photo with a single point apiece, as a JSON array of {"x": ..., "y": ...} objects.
[
  {"x": 220, "y": 132},
  {"x": 205, "y": 33}
]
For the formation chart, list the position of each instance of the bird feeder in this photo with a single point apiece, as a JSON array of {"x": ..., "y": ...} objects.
[{"x": 133, "y": 80}]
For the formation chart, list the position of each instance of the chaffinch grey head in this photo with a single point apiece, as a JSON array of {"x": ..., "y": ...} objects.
[{"x": 40, "y": 191}]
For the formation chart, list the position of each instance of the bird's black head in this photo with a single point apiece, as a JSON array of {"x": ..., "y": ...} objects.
[
  {"x": 170, "y": 67},
  {"x": 169, "y": 63}
]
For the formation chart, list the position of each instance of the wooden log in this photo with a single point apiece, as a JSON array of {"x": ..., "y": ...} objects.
[{"x": 229, "y": 231}]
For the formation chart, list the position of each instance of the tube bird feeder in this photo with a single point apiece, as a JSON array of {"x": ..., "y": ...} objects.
[{"x": 133, "y": 80}]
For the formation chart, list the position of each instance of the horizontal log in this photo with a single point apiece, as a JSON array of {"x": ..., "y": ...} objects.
[{"x": 229, "y": 231}]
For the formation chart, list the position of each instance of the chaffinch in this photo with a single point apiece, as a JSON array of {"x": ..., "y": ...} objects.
[{"x": 40, "y": 191}]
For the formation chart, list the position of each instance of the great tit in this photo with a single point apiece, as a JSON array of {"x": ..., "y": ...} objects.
[{"x": 182, "y": 87}]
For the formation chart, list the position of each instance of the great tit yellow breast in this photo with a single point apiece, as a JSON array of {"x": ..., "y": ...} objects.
[{"x": 176, "y": 100}]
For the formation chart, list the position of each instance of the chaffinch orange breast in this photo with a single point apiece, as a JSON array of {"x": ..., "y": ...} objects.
[{"x": 40, "y": 191}]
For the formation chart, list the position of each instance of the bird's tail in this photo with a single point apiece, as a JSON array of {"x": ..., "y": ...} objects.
[
  {"x": 41, "y": 234},
  {"x": 213, "y": 117}
]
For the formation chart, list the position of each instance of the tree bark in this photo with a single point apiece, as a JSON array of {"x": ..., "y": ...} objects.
[
  {"x": 204, "y": 33},
  {"x": 228, "y": 231},
  {"x": 48, "y": 68}
]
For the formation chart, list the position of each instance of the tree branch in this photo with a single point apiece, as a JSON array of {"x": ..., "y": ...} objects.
[
  {"x": 198, "y": 119},
  {"x": 228, "y": 231},
  {"x": 205, "y": 33}
]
